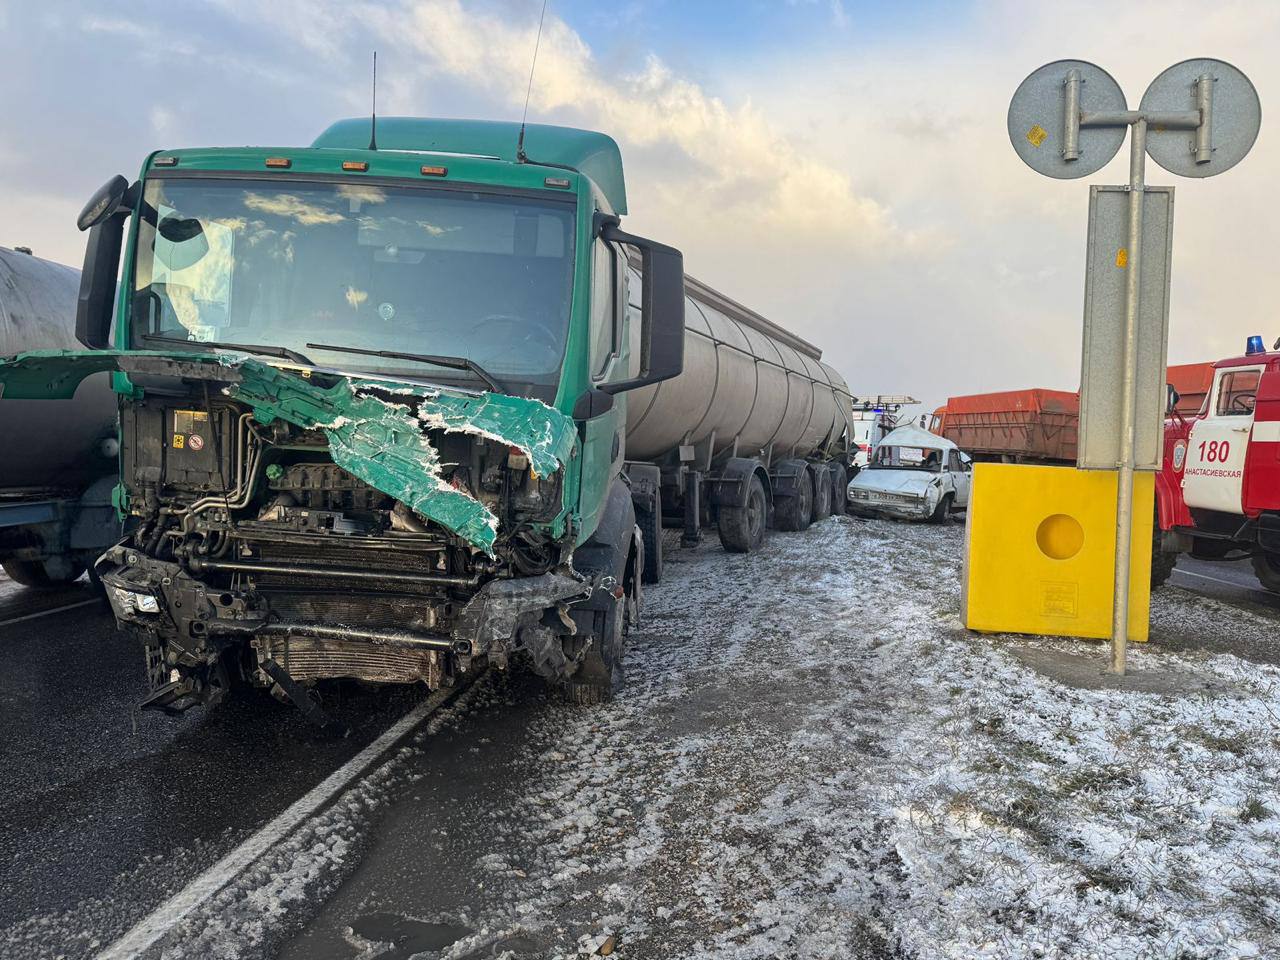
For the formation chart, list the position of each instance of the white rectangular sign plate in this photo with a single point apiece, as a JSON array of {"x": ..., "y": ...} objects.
[{"x": 1102, "y": 366}]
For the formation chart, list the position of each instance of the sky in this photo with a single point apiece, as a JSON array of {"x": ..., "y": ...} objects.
[{"x": 843, "y": 167}]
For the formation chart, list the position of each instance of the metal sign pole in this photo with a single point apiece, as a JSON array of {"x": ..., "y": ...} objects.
[
  {"x": 1129, "y": 398},
  {"x": 1066, "y": 120}
]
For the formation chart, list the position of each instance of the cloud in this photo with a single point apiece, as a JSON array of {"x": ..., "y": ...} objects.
[
  {"x": 835, "y": 8},
  {"x": 923, "y": 124},
  {"x": 161, "y": 122},
  {"x": 860, "y": 191},
  {"x": 745, "y": 168},
  {"x": 127, "y": 28}
]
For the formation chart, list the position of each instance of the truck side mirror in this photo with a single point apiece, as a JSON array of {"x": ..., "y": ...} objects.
[
  {"x": 104, "y": 202},
  {"x": 104, "y": 218},
  {"x": 662, "y": 310},
  {"x": 1171, "y": 398}
]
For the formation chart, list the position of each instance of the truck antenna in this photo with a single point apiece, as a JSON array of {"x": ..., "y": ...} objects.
[
  {"x": 521, "y": 156},
  {"x": 373, "y": 115}
]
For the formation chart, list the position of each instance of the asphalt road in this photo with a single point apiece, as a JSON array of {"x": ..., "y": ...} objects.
[
  {"x": 1233, "y": 582},
  {"x": 105, "y": 813}
]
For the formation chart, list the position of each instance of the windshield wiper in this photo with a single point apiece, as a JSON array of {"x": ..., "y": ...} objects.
[
  {"x": 267, "y": 350},
  {"x": 453, "y": 363}
]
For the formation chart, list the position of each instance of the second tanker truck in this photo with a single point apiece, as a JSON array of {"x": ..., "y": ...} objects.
[
  {"x": 392, "y": 413},
  {"x": 58, "y": 460}
]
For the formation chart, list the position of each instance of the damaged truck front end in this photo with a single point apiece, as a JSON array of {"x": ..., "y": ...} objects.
[
  {"x": 293, "y": 526},
  {"x": 366, "y": 407}
]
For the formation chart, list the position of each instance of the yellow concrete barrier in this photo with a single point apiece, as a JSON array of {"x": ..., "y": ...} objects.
[{"x": 1040, "y": 551}]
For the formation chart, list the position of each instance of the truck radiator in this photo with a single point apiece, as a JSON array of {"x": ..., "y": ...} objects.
[
  {"x": 362, "y": 610},
  {"x": 314, "y": 658}
]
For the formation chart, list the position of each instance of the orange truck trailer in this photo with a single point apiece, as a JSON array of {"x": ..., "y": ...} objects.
[{"x": 1039, "y": 425}]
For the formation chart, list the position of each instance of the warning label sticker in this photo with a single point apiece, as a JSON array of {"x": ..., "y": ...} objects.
[
  {"x": 189, "y": 421},
  {"x": 1036, "y": 135},
  {"x": 1059, "y": 598}
]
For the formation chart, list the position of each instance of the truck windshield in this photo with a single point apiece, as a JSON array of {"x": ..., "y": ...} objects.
[
  {"x": 401, "y": 269},
  {"x": 907, "y": 458}
]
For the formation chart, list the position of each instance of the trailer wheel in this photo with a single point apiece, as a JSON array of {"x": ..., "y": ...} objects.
[
  {"x": 742, "y": 528},
  {"x": 1267, "y": 567},
  {"x": 839, "y": 495},
  {"x": 650, "y": 524},
  {"x": 821, "y": 493},
  {"x": 38, "y": 575},
  {"x": 793, "y": 512}
]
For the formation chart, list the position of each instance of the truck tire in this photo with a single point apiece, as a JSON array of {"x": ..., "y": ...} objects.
[
  {"x": 821, "y": 492},
  {"x": 599, "y": 676},
  {"x": 1267, "y": 567},
  {"x": 942, "y": 512},
  {"x": 794, "y": 512},
  {"x": 839, "y": 495},
  {"x": 1162, "y": 565},
  {"x": 35, "y": 574},
  {"x": 650, "y": 524},
  {"x": 742, "y": 528}
]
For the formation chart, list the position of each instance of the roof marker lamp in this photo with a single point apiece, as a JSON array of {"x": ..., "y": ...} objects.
[{"x": 1254, "y": 345}]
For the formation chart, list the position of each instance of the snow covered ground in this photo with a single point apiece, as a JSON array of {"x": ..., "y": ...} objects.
[{"x": 813, "y": 759}]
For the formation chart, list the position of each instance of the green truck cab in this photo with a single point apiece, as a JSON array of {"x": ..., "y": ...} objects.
[{"x": 372, "y": 405}]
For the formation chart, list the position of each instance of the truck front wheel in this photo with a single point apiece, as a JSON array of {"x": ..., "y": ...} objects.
[
  {"x": 742, "y": 528},
  {"x": 1162, "y": 562},
  {"x": 41, "y": 575},
  {"x": 1267, "y": 567},
  {"x": 650, "y": 524},
  {"x": 599, "y": 674}
]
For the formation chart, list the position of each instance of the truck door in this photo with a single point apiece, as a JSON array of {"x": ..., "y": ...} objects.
[
  {"x": 1213, "y": 478},
  {"x": 603, "y": 441}
]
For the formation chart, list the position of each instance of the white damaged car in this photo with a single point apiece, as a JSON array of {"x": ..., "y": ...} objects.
[{"x": 913, "y": 475}]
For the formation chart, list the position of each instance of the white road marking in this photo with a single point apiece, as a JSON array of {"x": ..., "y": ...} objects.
[
  {"x": 46, "y": 613},
  {"x": 1225, "y": 583},
  {"x": 150, "y": 929}
]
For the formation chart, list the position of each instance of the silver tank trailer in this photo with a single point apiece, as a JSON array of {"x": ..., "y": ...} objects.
[
  {"x": 745, "y": 381},
  {"x": 50, "y": 445}
]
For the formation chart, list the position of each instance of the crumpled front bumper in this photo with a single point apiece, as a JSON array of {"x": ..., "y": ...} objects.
[
  {"x": 192, "y": 621},
  {"x": 920, "y": 508}
]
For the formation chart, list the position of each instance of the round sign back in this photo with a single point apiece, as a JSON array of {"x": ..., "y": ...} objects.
[
  {"x": 1037, "y": 118},
  {"x": 1234, "y": 117}
]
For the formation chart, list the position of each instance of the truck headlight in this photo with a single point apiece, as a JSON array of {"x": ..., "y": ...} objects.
[{"x": 134, "y": 600}]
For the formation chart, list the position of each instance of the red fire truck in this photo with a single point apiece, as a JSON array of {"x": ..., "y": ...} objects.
[{"x": 1218, "y": 492}]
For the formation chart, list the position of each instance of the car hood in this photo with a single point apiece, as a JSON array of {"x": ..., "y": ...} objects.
[{"x": 912, "y": 482}]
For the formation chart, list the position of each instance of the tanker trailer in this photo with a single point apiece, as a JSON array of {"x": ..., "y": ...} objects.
[
  {"x": 755, "y": 431},
  {"x": 59, "y": 466}
]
